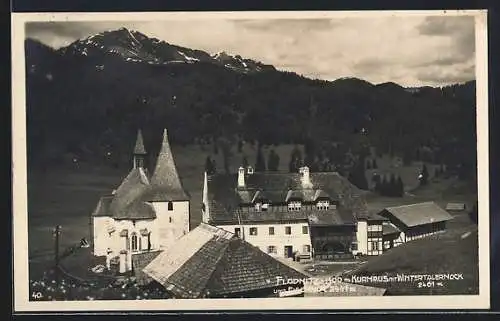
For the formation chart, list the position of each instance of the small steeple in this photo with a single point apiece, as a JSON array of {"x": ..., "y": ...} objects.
[
  {"x": 139, "y": 151},
  {"x": 165, "y": 176}
]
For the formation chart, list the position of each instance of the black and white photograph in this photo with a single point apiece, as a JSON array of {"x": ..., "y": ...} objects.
[{"x": 312, "y": 160}]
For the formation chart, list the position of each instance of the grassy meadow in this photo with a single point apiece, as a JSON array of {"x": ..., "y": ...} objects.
[{"x": 67, "y": 196}]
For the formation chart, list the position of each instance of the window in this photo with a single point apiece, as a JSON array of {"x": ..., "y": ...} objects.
[
  {"x": 323, "y": 205},
  {"x": 375, "y": 246},
  {"x": 133, "y": 242},
  {"x": 170, "y": 206},
  {"x": 271, "y": 230},
  {"x": 170, "y": 219},
  {"x": 305, "y": 229},
  {"x": 253, "y": 231},
  {"x": 271, "y": 249},
  {"x": 306, "y": 249},
  {"x": 294, "y": 206},
  {"x": 288, "y": 230},
  {"x": 237, "y": 231}
]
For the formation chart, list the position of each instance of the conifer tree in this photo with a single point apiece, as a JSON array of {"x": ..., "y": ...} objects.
[
  {"x": 383, "y": 186},
  {"x": 273, "y": 161},
  {"x": 392, "y": 188},
  {"x": 357, "y": 176},
  {"x": 400, "y": 187},
  {"x": 244, "y": 162},
  {"x": 209, "y": 167},
  {"x": 260, "y": 164},
  {"x": 425, "y": 176},
  {"x": 295, "y": 160}
]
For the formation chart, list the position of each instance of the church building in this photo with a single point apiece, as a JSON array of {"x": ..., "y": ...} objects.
[{"x": 146, "y": 212}]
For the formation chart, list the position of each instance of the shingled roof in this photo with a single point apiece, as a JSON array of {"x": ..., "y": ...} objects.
[
  {"x": 211, "y": 262},
  {"x": 225, "y": 200},
  {"x": 418, "y": 214},
  {"x": 139, "y": 148},
  {"x": 165, "y": 183},
  {"x": 132, "y": 199}
]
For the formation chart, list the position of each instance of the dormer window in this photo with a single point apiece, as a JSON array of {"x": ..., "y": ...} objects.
[
  {"x": 294, "y": 206},
  {"x": 261, "y": 206},
  {"x": 323, "y": 205}
]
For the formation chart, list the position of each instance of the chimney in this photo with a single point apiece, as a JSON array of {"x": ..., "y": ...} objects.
[
  {"x": 304, "y": 177},
  {"x": 241, "y": 177}
]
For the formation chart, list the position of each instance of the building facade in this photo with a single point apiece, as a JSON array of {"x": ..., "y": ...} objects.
[
  {"x": 285, "y": 214},
  {"x": 414, "y": 221},
  {"x": 144, "y": 213}
]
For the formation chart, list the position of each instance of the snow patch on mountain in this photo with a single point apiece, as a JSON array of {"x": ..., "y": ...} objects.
[{"x": 188, "y": 58}]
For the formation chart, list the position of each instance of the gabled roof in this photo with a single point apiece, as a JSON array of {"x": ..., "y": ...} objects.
[
  {"x": 103, "y": 206},
  {"x": 165, "y": 182},
  {"x": 209, "y": 261},
  {"x": 139, "y": 262},
  {"x": 388, "y": 229},
  {"x": 132, "y": 187},
  {"x": 320, "y": 194},
  {"x": 224, "y": 199},
  {"x": 139, "y": 148},
  {"x": 259, "y": 196},
  {"x": 418, "y": 214},
  {"x": 294, "y": 196},
  {"x": 137, "y": 210}
]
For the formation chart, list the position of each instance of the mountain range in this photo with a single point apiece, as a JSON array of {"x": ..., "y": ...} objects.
[{"x": 92, "y": 95}]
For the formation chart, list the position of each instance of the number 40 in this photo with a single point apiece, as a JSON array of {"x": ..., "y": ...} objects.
[{"x": 36, "y": 295}]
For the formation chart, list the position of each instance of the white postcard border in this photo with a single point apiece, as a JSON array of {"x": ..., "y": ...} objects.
[{"x": 20, "y": 210}]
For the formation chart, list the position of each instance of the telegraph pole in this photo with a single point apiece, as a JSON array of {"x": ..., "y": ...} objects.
[{"x": 57, "y": 233}]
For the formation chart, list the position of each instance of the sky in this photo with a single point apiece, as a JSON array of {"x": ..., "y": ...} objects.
[{"x": 411, "y": 50}]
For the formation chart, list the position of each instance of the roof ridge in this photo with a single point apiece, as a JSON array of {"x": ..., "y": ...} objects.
[{"x": 414, "y": 204}]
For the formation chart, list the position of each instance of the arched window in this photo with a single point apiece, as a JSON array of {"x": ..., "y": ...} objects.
[{"x": 133, "y": 242}]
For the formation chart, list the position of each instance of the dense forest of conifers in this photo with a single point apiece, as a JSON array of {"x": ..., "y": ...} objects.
[{"x": 85, "y": 106}]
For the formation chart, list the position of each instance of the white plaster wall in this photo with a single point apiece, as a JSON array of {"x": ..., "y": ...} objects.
[
  {"x": 362, "y": 237},
  {"x": 171, "y": 225},
  {"x": 100, "y": 234},
  {"x": 262, "y": 240},
  {"x": 104, "y": 240}
]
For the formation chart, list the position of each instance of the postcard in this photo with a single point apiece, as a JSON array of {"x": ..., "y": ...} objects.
[{"x": 257, "y": 161}]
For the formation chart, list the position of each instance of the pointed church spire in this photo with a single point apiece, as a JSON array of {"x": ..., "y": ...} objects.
[
  {"x": 139, "y": 144},
  {"x": 139, "y": 151},
  {"x": 165, "y": 177}
]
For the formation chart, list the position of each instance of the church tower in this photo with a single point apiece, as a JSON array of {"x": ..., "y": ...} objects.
[
  {"x": 139, "y": 151},
  {"x": 167, "y": 195}
]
